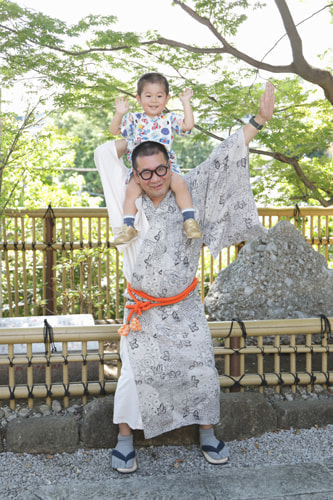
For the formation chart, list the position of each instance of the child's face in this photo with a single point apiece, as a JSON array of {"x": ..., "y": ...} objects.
[{"x": 153, "y": 99}]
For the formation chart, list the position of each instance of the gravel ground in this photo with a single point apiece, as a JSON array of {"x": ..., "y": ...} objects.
[{"x": 20, "y": 471}]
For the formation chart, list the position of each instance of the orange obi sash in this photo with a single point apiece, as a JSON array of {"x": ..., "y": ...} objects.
[{"x": 148, "y": 303}]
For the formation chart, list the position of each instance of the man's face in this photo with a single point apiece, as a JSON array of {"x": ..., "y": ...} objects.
[{"x": 156, "y": 187}]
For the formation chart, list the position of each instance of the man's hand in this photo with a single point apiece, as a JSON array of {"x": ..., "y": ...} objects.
[
  {"x": 265, "y": 113},
  {"x": 267, "y": 101}
]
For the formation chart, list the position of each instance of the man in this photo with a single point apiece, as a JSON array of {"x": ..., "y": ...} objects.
[{"x": 168, "y": 378}]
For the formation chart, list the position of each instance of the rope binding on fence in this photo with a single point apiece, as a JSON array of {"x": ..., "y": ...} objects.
[{"x": 48, "y": 337}]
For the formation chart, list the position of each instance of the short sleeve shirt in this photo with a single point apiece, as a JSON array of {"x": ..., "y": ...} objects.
[{"x": 138, "y": 127}]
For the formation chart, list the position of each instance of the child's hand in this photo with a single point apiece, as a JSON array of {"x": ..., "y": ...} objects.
[
  {"x": 122, "y": 106},
  {"x": 186, "y": 95}
]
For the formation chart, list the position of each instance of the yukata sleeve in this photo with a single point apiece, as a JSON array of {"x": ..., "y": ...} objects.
[
  {"x": 113, "y": 174},
  {"x": 176, "y": 122},
  {"x": 222, "y": 194}
]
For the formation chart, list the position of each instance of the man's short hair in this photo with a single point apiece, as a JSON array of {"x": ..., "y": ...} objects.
[
  {"x": 148, "y": 148},
  {"x": 152, "y": 78}
]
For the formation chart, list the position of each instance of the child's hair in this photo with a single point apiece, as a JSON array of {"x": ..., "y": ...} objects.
[
  {"x": 152, "y": 78},
  {"x": 148, "y": 148}
]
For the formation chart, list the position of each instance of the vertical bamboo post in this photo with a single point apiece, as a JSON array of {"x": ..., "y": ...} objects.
[
  {"x": 324, "y": 366},
  {"x": 49, "y": 262},
  {"x": 30, "y": 381},
  {"x": 235, "y": 361},
  {"x": 293, "y": 360},
  {"x": 101, "y": 363},
  {"x": 107, "y": 271},
  {"x": 65, "y": 377},
  {"x": 34, "y": 268},
  {"x": 9, "y": 285},
  {"x": 24, "y": 267},
  {"x": 48, "y": 376},
  {"x": 260, "y": 362},
  {"x": 11, "y": 375},
  {"x": 16, "y": 271},
  {"x": 84, "y": 372},
  {"x": 308, "y": 357},
  {"x": 277, "y": 361}
]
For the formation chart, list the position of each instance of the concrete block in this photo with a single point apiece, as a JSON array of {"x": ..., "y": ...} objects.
[
  {"x": 42, "y": 435},
  {"x": 303, "y": 414},
  {"x": 244, "y": 415},
  {"x": 97, "y": 429}
]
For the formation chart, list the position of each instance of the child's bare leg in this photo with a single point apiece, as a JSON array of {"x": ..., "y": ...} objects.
[
  {"x": 184, "y": 201},
  {"x": 121, "y": 147},
  {"x": 128, "y": 231}
]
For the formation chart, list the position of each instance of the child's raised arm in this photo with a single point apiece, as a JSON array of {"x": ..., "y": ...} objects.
[
  {"x": 185, "y": 97},
  {"x": 122, "y": 108}
]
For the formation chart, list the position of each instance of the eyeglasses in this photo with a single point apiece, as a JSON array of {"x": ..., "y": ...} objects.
[{"x": 160, "y": 171}]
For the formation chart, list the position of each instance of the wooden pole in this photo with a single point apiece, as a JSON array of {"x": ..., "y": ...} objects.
[{"x": 49, "y": 263}]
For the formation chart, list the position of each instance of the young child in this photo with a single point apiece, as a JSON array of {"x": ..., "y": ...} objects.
[{"x": 154, "y": 125}]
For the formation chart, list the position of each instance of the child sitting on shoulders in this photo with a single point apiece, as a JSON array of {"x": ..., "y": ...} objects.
[{"x": 153, "y": 125}]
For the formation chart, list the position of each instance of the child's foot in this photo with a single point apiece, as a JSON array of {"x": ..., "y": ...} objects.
[
  {"x": 192, "y": 229},
  {"x": 127, "y": 234}
]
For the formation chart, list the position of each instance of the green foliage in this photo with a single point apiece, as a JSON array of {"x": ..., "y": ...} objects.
[
  {"x": 82, "y": 291},
  {"x": 86, "y": 131},
  {"x": 192, "y": 150},
  {"x": 31, "y": 154},
  {"x": 87, "y": 65}
]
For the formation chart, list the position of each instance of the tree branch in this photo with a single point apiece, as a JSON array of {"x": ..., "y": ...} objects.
[
  {"x": 299, "y": 172},
  {"x": 299, "y": 65}
]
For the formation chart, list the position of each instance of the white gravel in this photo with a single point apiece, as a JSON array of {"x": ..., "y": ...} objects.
[{"x": 20, "y": 471}]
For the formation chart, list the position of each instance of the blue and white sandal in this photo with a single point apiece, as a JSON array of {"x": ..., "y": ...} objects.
[
  {"x": 124, "y": 470},
  {"x": 224, "y": 456}
]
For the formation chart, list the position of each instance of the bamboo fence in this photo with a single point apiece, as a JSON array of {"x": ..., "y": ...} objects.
[
  {"x": 63, "y": 261},
  {"x": 301, "y": 354}
]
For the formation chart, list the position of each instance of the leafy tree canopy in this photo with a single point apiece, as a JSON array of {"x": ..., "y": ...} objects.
[{"x": 86, "y": 65}]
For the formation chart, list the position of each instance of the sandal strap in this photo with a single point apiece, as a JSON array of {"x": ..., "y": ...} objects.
[
  {"x": 207, "y": 447},
  {"x": 116, "y": 453}
]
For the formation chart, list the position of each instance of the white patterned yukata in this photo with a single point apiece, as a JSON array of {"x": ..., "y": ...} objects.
[
  {"x": 138, "y": 127},
  {"x": 172, "y": 359}
]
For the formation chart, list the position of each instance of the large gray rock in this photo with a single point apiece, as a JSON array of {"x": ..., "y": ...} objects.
[
  {"x": 244, "y": 415},
  {"x": 42, "y": 435},
  {"x": 276, "y": 276},
  {"x": 97, "y": 429}
]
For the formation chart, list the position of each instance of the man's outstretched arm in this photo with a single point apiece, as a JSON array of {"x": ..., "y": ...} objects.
[{"x": 265, "y": 113}]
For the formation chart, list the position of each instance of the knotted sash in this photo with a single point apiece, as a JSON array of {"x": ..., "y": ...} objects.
[{"x": 143, "y": 305}]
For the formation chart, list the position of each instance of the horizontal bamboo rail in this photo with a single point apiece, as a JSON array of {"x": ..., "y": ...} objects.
[
  {"x": 267, "y": 327},
  {"x": 76, "y": 389},
  {"x": 271, "y": 330}
]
